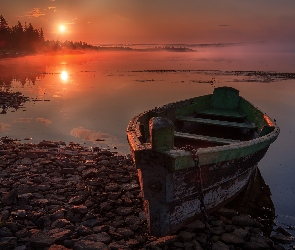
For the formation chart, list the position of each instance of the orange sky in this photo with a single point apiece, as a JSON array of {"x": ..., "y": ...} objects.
[{"x": 167, "y": 21}]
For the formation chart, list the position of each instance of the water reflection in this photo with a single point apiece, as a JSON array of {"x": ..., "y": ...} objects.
[
  {"x": 255, "y": 200},
  {"x": 64, "y": 76}
]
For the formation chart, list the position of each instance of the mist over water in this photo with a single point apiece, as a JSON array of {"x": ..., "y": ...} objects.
[{"x": 90, "y": 97}]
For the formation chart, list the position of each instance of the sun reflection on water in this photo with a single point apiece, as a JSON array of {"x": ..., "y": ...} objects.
[{"x": 64, "y": 76}]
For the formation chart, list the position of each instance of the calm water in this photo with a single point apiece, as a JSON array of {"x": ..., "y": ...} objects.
[{"x": 90, "y": 98}]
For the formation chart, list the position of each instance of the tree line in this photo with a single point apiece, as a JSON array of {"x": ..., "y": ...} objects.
[
  {"x": 19, "y": 37},
  {"x": 25, "y": 38}
]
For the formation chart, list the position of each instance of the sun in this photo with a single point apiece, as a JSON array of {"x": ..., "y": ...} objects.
[{"x": 62, "y": 28}]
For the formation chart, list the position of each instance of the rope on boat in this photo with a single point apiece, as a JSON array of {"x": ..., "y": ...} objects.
[{"x": 205, "y": 219}]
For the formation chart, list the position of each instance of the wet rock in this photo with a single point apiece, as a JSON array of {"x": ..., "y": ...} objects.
[
  {"x": 280, "y": 238},
  {"x": 57, "y": 247},
  {"x": 41, "y": 240},
  {"x": 196, "y": 225},
  {"x": 95, "y": 203},
  {"x": 90, "y": 245},
  {"x": 241, "y": 233},
  {"x": 8, "y": 243},
  {"x": 219, "y": 246},
  {"x": 83, "y": 231},
  {"x": 77, "y": 200},
  {"x": 60, "y": 223},
  {"x": 99, "y": 237},
  {"x": 227, "y": 212},
  {"x": 186, "y": 236},
  {"x": 230, "y": 238},
  {"x": 59, "y": 234},
  {"x": 283, "y": 231},
  {"x": 245, "y": 220},
  {"x": 5, "y": 232},
  {"x": 217, "y": 230},
  {"x": 124, "y": 211},
  {"x": 9, "y": 198},
  {"x": 92, "y": 222},
  {"x": 19, "y": 214},
  {"x": 126, "y": 232}
]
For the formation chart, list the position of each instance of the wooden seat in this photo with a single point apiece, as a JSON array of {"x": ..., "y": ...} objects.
[
  {"x": 204, "y": 138},
  {"x": 227, "y": 113},
  {"x": 216, "y": 122}
]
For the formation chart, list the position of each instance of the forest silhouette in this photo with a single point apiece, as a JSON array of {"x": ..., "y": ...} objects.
[{"x": 20, "y": 39}]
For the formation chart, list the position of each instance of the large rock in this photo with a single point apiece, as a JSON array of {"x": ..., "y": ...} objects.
[{"x": 245, "y": 221}]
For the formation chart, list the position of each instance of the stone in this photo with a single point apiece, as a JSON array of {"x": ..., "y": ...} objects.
[
  {"x": 186, "y": 236},
  {"x": 83, "y": 231},
  {"x": 99, "y": 237},
  {"x": 124, "y": 211},
  {"x": 126, "y": 232},
  {"x": 196, "y": 225},
  {"x": 241, "y": 233},
  {"x": 77, "y": 200},
  {"x": 217, "y": 230},
  {"x": 245, "y": 220},
  {"x": 9, "y": 198},
  {"x": 283, "y": 231},
  {"x": 227, "y": 212},
  {"x": 41, "y": 240},
  {"x": 60, "y": 223},
  {"x": 90, "y": 245},
  {"x": 280, "y": 238},
  {"x": 230, "y": 238},
  {"x": 57, "y": 247},
  {"x": 219, "y": 246},
  {"x": 59, "y": 234},
  {"x": 197, "y": 245},
  {"x": 92, "y": 222},
  {"x": 5, "y": 232}
]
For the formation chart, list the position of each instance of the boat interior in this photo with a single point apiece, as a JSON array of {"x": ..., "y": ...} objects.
[{"x": 218, "y": 119}]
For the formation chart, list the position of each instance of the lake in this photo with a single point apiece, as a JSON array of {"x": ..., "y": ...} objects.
[{"x": 90, "y": 97}]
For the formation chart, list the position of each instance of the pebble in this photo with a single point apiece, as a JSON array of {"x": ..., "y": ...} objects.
[{"x": 56, "y": 196}]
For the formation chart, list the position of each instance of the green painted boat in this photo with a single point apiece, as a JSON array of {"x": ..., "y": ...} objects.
[{"x": 227, "y": 137}]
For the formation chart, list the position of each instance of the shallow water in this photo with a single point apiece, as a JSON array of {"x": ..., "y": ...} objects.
[{"x": 90, "y": 98}]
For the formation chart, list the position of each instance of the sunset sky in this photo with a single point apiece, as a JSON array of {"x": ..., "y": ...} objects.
[{"x": 143, "y": 21}]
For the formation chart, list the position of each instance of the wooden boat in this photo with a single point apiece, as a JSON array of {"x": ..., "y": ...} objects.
[{"x": 230, "y": 136}]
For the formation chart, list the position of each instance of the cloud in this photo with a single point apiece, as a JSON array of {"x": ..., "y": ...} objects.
[
  {"x": 223, "y": 25},
  {"x": 51, "y": 7},
  {"x": 24, "y": 120},
  {"x": 90, "y": 135},
  {"x": 4, "y": 127},
  {"x": 36, "y": 12},
  {"x": 43, "y": 121}
]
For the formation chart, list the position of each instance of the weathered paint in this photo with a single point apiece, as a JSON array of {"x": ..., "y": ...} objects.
[
  {"x": 172, "y": 198},
  {"x": 168, "y": 174}
]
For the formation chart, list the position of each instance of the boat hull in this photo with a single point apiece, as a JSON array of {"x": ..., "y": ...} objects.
[
  {"x": 172, "y": 199},
  {"x": 228, "y": 134}
]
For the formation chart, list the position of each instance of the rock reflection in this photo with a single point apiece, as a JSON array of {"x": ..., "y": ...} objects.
[
  {"x": 43, "y": 121},
  {"x": 4, "y": 127},
  {"x": 91, "y": 135},
  {"x": 255, "y": 200}
]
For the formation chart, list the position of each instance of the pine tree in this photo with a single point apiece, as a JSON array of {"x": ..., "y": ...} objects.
[{"x": 4, "y": 33}]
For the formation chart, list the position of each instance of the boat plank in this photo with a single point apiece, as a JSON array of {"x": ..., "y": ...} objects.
[
  {"x": 223, "y": 112},
  {"x": 204, "y": 138},
  {"x": 216, "y": 122}
]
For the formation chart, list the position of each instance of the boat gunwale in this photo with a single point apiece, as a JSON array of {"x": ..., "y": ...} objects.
[{"x": 136, "y": 145}]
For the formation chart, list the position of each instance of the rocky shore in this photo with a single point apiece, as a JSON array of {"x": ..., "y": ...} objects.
[{"x": 58, "y": 196}]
